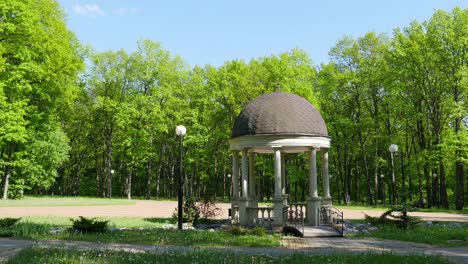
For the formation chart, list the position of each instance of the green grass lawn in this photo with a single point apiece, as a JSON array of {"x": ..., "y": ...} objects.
[
  {"x": 382, "y": 208},
  {"x": 37, "y": 255},
  {"x": 130, "y": 222},
  {"x": 435, "y": 235},
  {"x": 162, "y": 237},
  {"x": 62, "y": 201},
  {"x": 442, "y": 210},
  {"x": 139, "y": 231}
]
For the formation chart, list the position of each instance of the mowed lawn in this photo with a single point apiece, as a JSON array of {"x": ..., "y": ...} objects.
[{"x": 29, "y": 201}]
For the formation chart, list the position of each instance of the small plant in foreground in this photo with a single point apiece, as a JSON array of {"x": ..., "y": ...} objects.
[
  {"x": 8, "y": 222},
  {"x": 237, "y": 230},
  {"x": 89, "y": 225},
  {"x": 241, "y": 231}
]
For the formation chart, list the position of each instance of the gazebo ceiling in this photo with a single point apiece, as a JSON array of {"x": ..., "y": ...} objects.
[{"x": 279, "y": 113}]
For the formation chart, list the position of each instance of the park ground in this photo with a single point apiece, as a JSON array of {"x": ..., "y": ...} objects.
[{"x": 164, "y": 209}]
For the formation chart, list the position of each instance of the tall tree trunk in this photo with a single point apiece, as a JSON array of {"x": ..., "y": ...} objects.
[
  {"x": 435, "y": 189},
  {"x": 98, "y": 175},
  {"x": 109, "y": 170},
  {"x": 459, "y": 170},
  {"x": 149, "y": 168},
  {"x": 216, "y": 176},
  {"x": 428, "y": 184},
  {"x": 459, "y": 202},
  {"x": 6, "y": 185},
  {"x": 376, "y": 184},
  {"x": 128, "y": 184},
  {"x": 369, "y": 191},
  {"x": 356, "y": 188},
  {"x": 443, "y": 186}
]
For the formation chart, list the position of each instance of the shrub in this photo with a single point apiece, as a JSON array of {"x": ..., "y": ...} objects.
[
  {"x": 209, "y": 210},
  {"x": 400, "y": 220},
  {"x": 258, "y": 231},
  {"x": 238, "y": 230},
  {"x": 89, "y": 225},
  {"x": 242, "y": 231},
  {"x": 8, "y": 222},
  {"x": 190, "y": 212}
]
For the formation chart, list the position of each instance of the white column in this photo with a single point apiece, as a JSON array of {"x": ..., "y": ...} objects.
[
  {"x": 326, "y": 177},
  {"x": 278, "y": 192},
  {"x": 283, "y": 175},
  {"x": 252, "y": 194},
  {"x": 314, "y": 202},
  {"x": 244, "y": 201},
  {"x": 278, "y": 201},
  {"x": 313, "y": 173},
  {"x": 245, "y": 173},
  {"x": 235, "y": 175}
]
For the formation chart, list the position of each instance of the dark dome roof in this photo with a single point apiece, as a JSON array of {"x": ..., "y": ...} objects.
[{"x": 279, "y": 113}]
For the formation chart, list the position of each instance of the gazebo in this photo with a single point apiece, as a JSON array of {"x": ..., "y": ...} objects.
[{"x": 278, "y": 123}]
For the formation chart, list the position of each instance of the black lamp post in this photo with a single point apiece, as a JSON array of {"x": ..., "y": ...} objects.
[
  {"x": 382, "y": 179},
  {"x": 180, "y": 131}
]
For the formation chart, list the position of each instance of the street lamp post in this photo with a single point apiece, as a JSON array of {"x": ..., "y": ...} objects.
[
  {"x": 180, "y": 131},
  {"x": 382, "y": 179},
  {"x": 110, "y": 183},
  {"x": 230, "y": 189},
  {"x": 435, "y": 187},
  {"x": 403, "y": 177},
  {"x": 393, "y": 149}
]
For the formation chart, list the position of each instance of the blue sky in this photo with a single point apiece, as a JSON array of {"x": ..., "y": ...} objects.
[{"x": 215, "y": 31}]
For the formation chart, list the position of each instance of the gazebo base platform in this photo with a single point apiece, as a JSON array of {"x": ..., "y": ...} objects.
[
  {"x": 312, "y": 231},
  {"x": 320, "y": 231}
]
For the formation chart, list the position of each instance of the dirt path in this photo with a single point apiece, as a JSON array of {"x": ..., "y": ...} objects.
[{"x": 166, "y": 208}]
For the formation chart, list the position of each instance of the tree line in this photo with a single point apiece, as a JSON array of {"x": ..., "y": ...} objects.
[{"x": 106, "y": 127}]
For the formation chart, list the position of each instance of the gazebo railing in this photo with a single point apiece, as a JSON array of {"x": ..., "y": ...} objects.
[
  {"x": 332, "y": 217},
  {"x": 294, "y": 215},
  {"x": 262, "y": 216},
  {"x": 298, "y": 207}
]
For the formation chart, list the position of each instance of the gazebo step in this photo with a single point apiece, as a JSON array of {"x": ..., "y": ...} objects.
[{"x": 320, "y": 231}]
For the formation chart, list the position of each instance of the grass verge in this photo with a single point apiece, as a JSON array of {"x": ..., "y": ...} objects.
[
  {"x": 434, "y": 235},
  {"x": 149, "y": 233},
  {"x": 61, "y": 221},
  {"x": 36, "y": 255}
]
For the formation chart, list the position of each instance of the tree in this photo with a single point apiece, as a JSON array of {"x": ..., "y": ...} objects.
[
  {"x": 448, "y": 37},
  {"x": 40, "y": 62}
]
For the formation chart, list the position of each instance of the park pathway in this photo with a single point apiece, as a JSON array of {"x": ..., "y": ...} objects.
[
  {"x": 166, "y": 209},
  {"x": 289, "y": 245}
]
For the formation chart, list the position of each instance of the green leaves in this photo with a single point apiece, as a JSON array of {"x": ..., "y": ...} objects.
[{"x": 39, "y": 63}]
